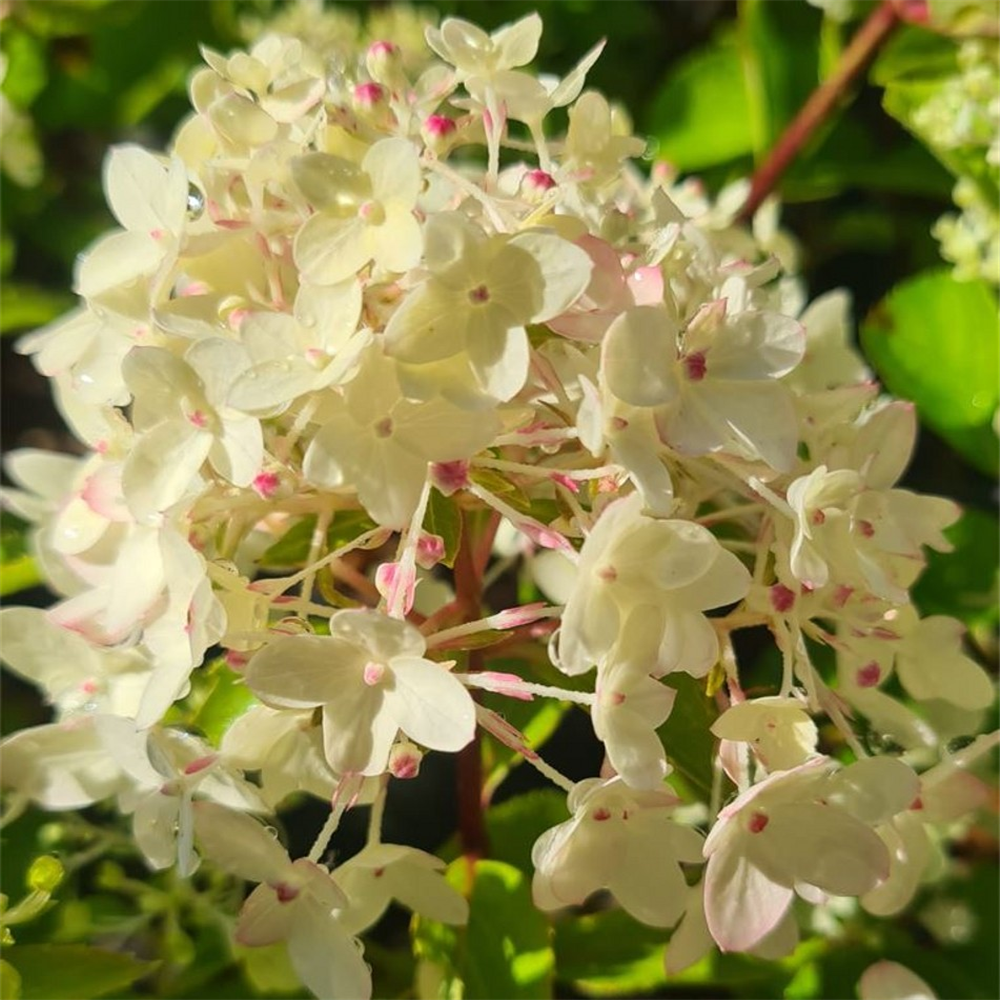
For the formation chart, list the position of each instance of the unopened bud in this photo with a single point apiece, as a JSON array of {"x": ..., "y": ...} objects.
[
  {"x": 383, "y": 61},
  {"x": 430, "y": 550},
  {"x": 536, "y": 183},
  {"x": 449, "y": 477},
  {"x": 438, "y": 132},
  {"x": 404, "y": 760},
  {"x": 368, "y": 96},
  {"x": 45, "y": 874}
]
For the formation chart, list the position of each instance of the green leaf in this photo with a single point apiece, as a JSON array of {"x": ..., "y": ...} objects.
[
  {"x": 780, "y": 51},
  {"x": 445, "y": 520},
  {"x": 504, "y": 951},
  {"x": 610, "y": 954},
  {"x": 686, "y": 737},
  {"x": 228, "y": 699},
  {"x": 963, "y": 583},
  {"x": 914, "y": 52},
  {"x": 514, "y": 826},
  {"x": 26, "y": 70},
  {"x": 10, "y": 982},
  {"x": 292, "y": 549},
  {"x": 701, "y": 115},
  {"x": 71, "y": 971},
  {"x": 934, "y": 340},
  {"x": 24, "y": 307},
  {"x": 19, "y": 574}
]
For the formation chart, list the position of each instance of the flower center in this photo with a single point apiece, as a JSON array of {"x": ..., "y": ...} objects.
[
  {"x": 479, "y": 295},
  {"x": 372, "y": 212}
]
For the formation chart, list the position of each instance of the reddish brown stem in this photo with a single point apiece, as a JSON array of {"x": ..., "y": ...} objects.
[
  {"x": 821, "y": 103},
  {"x": 468, "y": 598}
]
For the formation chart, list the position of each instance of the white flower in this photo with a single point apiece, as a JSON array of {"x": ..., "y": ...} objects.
[
  {"x": 371, "y": 680},
  {"x": 716, "y": 387},
  {"x": 473, "y": 308},
  {"x": 365, "y": 215},
  {"x": 890, "y": 980},
  {"x": 381, "y": 873},
  {"x": 778, "y": 730},
  {"x": 380, "y": 442},
  {"x": 296, "y": 902},
  {"x": 674, "y": 570},
  {"x": 621, "y": 840},
  {"x": 803, "y": 827}
]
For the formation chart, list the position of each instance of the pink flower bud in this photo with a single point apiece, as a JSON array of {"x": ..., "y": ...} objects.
[
  {"x": 507, "y": 684},
  {"x": 430, "y": 550},
  {"x": 265, "y": 484},
  {"x": 391, "y": 579},
  {"x": 368, "y": 95},
  {"x": 404, "y": 761},
  {"x": 449, "y": 477},
  {"x": 438, "y": 131},
  {"x": 515, "y": 617}
]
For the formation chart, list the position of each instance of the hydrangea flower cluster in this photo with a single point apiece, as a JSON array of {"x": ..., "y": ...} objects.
[{"x": 382, "y": 310}]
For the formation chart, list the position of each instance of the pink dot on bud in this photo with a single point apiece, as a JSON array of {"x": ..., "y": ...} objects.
[
  {"x": 617, "y": 698},
  {"x": 89, "y": 687},
  {"x": 156, "y": 234},
  {"x": 601, "y": 814},
  {"x": 438, "y": 126},
  {"x": 917, "y": 803},
  {"x": 782, "y": 598},
  {"x": 818, "y": 517},
  {"x": 539, "y": 180},
  {"x": 695, "y": 366},
  {"x": 236, "y": 660},
  {"x": 866, "y": 528},
  {"x": 757, "y": 822},
  {"x": 869, "y": 675},
  {"x": 373, "y": 673},
  {"x": 382, "y": 49},
  {"x": 619, "y": 423},
  {"x": 265, "y": 484},
  {"x": 405, "y": 767},
  {"x": 198, "y": 418},
  {"x": 285, "y": 893},
  {"x": 369, "y": 94},
  {"x": 608, "y": 574},
  {"x": 479, "y": 295}
]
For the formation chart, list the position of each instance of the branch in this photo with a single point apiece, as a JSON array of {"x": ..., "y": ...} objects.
[{"x": 821, "y": 103}]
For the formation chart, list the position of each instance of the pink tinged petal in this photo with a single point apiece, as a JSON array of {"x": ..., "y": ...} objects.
[
  {"x": 397, "y": 584},
  {"x": 638, "y": 359},
  {"x": 742, "y": 904},
  {"x": 565, "y": 271},
  {"x": 139, "y": 578},
  {"x": 780, "y": 941},
  {"x": 264, "y": 919},
  {"x": 822, "y": 846},
  {"x": 892, "y": 981},
  {"x": 430, "y": 705},
  {"x": 359, "y": 730},
  {"x": 327, "y": 958}
]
